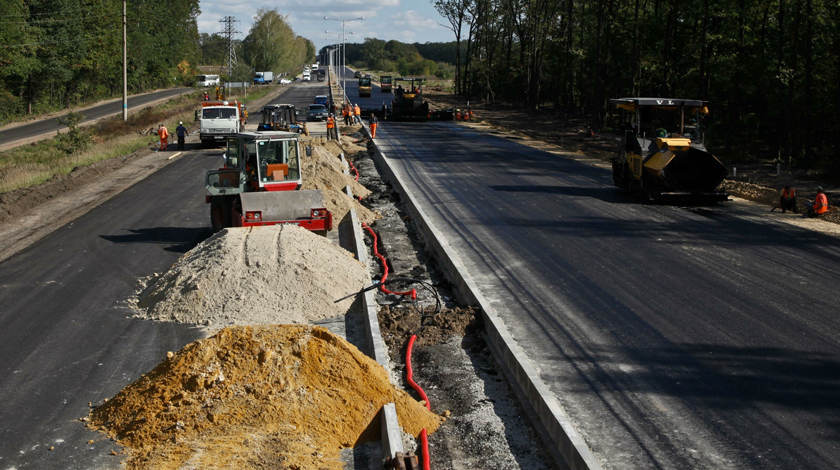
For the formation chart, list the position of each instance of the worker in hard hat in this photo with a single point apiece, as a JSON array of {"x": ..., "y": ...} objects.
[
  {"x": 163, "y": 133},
  {"x": 331, "y": 127},
  {"x": 345, "y": 111},
  {"x": 457, "y": 114},
  {"x": 373, "y": 122},
  {"x": 357, "y": 114},
  {"x": 181, "y": 132}
]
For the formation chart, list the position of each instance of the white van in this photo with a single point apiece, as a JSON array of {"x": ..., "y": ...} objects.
[
  {"x": 306, "y": 77},
  {"x": 207, "y": 80}
]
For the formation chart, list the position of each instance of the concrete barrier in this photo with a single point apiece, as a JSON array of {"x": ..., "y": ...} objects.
[{"x": 562, "y": 440}]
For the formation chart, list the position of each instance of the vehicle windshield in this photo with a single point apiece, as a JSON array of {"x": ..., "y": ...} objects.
[
  {"x": 218, "y": 113},
  {"x": 317, "y": 108},
  {"x": 279, "y": 160},
  {"x": 364, "y": 82},
  {"x": 386, "y": 80},
  {"x": 232, "y": 153},
  {"x": 200, "y": 78},
  {"x": 665, "y": 122}
]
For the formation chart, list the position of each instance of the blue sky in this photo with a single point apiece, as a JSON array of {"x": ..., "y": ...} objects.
[{"x": 407, "y": 21}]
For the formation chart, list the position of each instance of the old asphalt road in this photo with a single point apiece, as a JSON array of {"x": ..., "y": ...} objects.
[
  {"x": 37, "y": 128},
  {"x": 675, "y": 338},
  {"x": 66, "y": 335}
]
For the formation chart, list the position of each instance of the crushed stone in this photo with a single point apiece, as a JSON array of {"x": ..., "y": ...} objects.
[
  {"x": 284, "y": 396},
  {"x": 262, "y": 275},
  {"x": 328, "y": 176}
]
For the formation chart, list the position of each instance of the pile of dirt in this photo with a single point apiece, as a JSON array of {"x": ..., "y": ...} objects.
[
  {"x": 247, "y": 276},
  {"x": 352, "y": 146},
  {"x": 323, "y": 170},
  {"x": 288, "y": 396},
  {"x": 397, "y": 326}
]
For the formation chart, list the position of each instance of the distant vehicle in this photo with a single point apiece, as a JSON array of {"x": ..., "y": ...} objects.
[
  {"x": 297, "y": 79},
  {"x": 322, "y": 99},
  {"x": 285, "y": 81},
  {"x": 358, "y": 74},
  {"x": 306, "y": 77},
  {"x": 317, "y": 112},
  {"x": 207, "y": 80},
  {"x": 262, "y": 78},
  {"x": 364, "y": 86},
  {"x": 315, "y": 66},
  {"x": 219, "y": 120},
  {"x": 322, "y": 75}
]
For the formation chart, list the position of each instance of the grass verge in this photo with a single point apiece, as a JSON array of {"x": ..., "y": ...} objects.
[{"x": 33, "y": 164}]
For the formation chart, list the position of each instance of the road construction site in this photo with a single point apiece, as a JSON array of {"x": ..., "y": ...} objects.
[{"x": 577, "y": 327}]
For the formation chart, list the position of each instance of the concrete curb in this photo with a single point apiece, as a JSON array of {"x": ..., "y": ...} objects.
[
  {"x": 391, "y": 430},
  {"x": 562, "y": 439}
]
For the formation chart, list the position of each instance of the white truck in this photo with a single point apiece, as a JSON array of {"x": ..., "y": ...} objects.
[
  {"x": 315, "y": 66},
  {"x": 220, "y": 120},
  {"x": 306, "y": 76},
  {"x": 262, "y": 78}
]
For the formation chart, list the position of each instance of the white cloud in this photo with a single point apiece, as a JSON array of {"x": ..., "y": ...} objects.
[{"x": 413, "y": 21}]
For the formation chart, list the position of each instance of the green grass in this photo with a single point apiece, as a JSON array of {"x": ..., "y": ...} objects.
[{"x": 33, "y": 164}]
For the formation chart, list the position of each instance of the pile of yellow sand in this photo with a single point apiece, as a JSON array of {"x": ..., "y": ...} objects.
[{"x": 286, "y": 397}]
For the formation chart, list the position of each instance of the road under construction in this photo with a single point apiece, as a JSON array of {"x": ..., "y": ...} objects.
[{"x": 664, "y": 336}]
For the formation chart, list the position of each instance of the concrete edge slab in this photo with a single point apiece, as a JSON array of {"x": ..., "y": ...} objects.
[
  {"x": 565, "y": 441},
  {"x": 391, "y": 431}
]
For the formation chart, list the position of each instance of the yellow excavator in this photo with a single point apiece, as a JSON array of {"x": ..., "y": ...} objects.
[{"x": 662, "y": 155}]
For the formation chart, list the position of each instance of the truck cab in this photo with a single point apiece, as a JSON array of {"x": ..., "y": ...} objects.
[{"x": 220, "y": 120}]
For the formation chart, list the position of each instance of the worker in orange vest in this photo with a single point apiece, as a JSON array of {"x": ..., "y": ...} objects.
[
  {"x": 457, "y": 114},
  {"x": 471, "y": 114},
  {"x": 787, "y": 200},
  {"x": 357, "y": 113},
  {"x": 373, "y": 122},
  {"x": 331, "y": 127},
  {"x": 345, "y": 111},
  {"x": 819, "y": 206},
  {"x": 163, "y": 133}
]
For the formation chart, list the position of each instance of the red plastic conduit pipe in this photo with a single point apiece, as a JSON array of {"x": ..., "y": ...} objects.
[{"x": 412, "y": 292}]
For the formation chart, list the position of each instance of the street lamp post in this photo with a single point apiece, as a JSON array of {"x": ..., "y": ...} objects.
[
  {"x": 339, "y": 46},
  {"x": 344, "y": 41}
]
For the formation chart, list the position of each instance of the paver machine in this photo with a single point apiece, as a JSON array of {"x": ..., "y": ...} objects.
[
  {"x": 260, "y": 184},
  {"x": 408, "y": 103},
  {"x": 662, "y": 155},
  {"x": 281, "y": 117}
]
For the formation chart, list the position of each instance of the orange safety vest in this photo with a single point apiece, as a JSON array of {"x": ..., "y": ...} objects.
[
  {"x": 330, "y": 123},
  {"x": 357, "y": 111},
  {"x": 821, "y": 204},
  {"x": 345, "y": 111},
  {"x": 163, "y": 133},
  {"x": 789, "y": 195}
]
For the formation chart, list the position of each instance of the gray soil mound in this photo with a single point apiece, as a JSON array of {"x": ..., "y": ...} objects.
[{"x": 249, "y": 276}]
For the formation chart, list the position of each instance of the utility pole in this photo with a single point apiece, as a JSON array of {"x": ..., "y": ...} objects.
[
  {"x": 228, "y": 31},
  {"x": 125, "y": 68},
  {"x": 344, "y": 43}
]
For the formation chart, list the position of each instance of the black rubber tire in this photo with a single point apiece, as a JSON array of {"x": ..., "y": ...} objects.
[{"x": 220, "y": 216}]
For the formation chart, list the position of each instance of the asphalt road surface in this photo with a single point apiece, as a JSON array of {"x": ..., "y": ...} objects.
[
  {"x": 95, "y": 112},
  {"x": 67, "y": 336},
  {"x": 675, "y": 338}
]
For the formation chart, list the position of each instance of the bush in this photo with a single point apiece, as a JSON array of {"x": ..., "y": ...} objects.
[{"x": 76, "y": 140}]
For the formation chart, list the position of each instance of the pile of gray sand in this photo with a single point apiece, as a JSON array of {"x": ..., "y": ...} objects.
[{"x": 248, "y": 276}]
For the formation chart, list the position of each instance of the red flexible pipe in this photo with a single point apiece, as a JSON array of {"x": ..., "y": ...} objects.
[
  {"x": 412, "y": 292},
  {"x": 354, "y": 169},
  {"x": 424, "y": 439}
]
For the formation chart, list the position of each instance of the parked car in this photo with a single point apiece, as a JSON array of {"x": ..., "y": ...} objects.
[
  {"x": 285, "y": 81},
  {"x": 317, "y": 112}
]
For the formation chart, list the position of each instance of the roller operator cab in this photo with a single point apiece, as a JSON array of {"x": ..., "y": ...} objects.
[
  {"x": 385, "y": 83},
  {"x": 662, "y": 155},
  {"x": 408, "y": 102},
  {"x": 260, "y": 185},
  {"x": 364, "y": 86}
]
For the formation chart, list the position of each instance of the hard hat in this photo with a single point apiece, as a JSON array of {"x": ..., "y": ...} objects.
[
  {"x": 180, "y": 122},
  {"x": 819, "y": 188}
]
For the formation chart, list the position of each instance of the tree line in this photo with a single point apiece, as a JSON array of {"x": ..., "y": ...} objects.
[
  {"x": 59, "y": 53},
  {"x": 429, "y": 59},
  {"x": 769, "y": 68}
]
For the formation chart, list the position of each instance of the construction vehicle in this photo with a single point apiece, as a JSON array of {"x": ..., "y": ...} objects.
[
  {"x": 662, "y": 157},
  {"x": 280, "y": 117},
  {"x": 364, "y": 86},
  {"x": 408, "y": 103},
  {"x": 385, "y": 83},
  {"x": 260, "y": 185},
  {"x": 219, "y": 120}
]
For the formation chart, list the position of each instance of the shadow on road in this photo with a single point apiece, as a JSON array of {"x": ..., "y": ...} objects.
[{"x": 175, "y": 239}]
